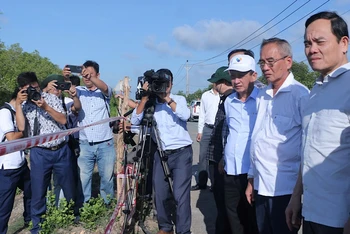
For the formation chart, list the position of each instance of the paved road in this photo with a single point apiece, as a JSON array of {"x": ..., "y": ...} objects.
[{"x": 202, "y": 201}]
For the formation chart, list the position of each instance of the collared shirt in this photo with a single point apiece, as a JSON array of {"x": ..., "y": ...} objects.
[
  {"x": 326, "y": 150},
  {"x": 12, "y": 160},
  {"x": 94, "y": 107},
  {"x": 240, "y": 119},
  {"x": 276, "y": 139},
  {"x": 172, "y": 125},
  {"x": 46, "y": 123},
  {"x": 209, "y": 107},
  {"x": 215, "y": 148}
]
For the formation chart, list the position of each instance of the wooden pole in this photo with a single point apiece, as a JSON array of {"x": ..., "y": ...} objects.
[{"x": 123, "y": 108}]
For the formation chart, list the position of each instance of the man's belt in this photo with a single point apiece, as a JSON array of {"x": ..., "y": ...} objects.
[
  {"x": 209, "y": 125},
  {"x": 173, "y": 151},
  {"x": 54, "y": 148}
]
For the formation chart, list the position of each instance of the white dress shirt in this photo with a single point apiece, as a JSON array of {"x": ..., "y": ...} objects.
[
  {"x": 209, "y": 107},
  {"x": 326, "y": 150},
  {"x": 276, "y": 139}
]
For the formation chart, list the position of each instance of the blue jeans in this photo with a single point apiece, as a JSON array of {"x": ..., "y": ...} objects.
[{"x": 104, "y": 155}]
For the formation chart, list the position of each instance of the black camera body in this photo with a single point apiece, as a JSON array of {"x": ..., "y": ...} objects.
[
  {"x": 63, "y": 85},
  {"x": 33, "y": 94},
  {"x": 158, "y": 82}
]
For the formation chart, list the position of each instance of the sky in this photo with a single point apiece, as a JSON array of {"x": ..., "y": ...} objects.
[{"x": 191, "y": 38}]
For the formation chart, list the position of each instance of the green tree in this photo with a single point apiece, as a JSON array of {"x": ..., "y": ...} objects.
[
  {"x": 13, "y": 61},
  {"x": 302, "y": 73}
]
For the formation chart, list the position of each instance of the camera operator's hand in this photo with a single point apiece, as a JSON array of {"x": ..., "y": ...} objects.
[
  {"x": 22, "y": 96},
  {"x": 165, "y": 97},
  {"x": 66, "y": 72}
]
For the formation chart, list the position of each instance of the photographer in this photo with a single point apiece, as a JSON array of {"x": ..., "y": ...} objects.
[
  {"x": 171, "y": 114},
  {"x": 96, "y": 142},
  {"x": 14, "y": 171},
  {"x": 45, "y": 114}
]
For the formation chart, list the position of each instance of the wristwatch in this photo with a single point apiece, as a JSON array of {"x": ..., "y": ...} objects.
[{"x": 171, "y": 101}]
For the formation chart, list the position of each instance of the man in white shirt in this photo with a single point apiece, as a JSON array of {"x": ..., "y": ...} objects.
[
  {"x": 209, "y": 106},
  {"x": 325, "y": 166},
  {"x": 276, "y": 139},
  {"x": 14, "y": 171}
]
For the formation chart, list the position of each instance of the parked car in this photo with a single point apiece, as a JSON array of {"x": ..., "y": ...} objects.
[{"x": 195, "y": 106}]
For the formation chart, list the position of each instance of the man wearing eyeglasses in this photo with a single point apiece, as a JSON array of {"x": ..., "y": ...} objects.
[{"x": 276, "y": 139}]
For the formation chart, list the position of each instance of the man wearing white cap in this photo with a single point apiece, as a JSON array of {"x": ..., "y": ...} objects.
[
  {"x": 241, "y": 109},
  {"x": 276, "y": 139}
]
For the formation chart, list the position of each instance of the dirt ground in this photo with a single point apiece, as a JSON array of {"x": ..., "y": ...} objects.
[{"x": 16, "y": 219}]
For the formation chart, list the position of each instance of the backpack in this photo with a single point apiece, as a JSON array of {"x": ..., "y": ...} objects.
[{"x": 13, "y": 113}]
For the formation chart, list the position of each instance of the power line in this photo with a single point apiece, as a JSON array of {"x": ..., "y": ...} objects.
[
  {"x": 295, "y": 22},
  {"x": 250, "y": 34}
]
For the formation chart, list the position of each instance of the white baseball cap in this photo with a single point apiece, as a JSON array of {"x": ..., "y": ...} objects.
[{"x": 242, "y": 63}]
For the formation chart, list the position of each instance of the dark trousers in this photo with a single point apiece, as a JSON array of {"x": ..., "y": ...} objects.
[
  {"x": 222, "y": 225},
  {"x": 79, "y": 196},
  {"x": 240, "y": 213},
  {"x": 316, "y": 228},
  {"x": 180, "y": 166},
  {"x": 203, "y": 151},
  {"x": 270, "y": 214},
  {"x": 43, "y": 162},
  {"x": 10, "y": 180}
]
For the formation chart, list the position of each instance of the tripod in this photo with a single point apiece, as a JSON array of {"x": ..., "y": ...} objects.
[{"x": 139, "y": 194}]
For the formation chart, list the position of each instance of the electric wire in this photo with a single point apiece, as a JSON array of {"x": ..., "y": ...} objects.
[{"x": 205, "y": 60}]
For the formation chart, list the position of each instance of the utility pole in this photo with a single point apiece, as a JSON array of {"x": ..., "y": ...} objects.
[{"x": 187, "y": 67}]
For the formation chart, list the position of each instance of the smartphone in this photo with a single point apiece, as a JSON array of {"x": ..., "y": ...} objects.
[
  {"x": 75, "y": 69},
  {"x": 63, "y": 85}
]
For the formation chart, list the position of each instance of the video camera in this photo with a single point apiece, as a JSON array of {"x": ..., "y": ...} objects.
[
  {"x": 33, "y": 94},
  {"x": 158, "y": 82}
]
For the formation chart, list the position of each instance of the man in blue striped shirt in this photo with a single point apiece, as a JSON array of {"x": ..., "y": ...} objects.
[{"x": 96, "y": 142}]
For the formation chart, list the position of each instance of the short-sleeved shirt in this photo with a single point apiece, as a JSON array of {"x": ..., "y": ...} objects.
[
  {"x": 46, "y": 123},
  {"x": 172, "y": 125},
  {"x": 94, "y": 107},
  {"x": 326, "y": 150},
  {"x": 12, "y": 160}
]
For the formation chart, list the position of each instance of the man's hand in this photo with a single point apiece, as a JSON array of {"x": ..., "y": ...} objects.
[
  {"x": 221, "y": 167},
  {"x": 249, "y": 192},
  {"x": 22, "y": 96},
  {"x": 40, "y": 103},
  {"x": 72, "y": 92},
  {"x": 51, "y": 86},
  {"x": 293, "y": 217},
  {"x": 199, "y": 137},
  {"x": 66, "y": 72}
]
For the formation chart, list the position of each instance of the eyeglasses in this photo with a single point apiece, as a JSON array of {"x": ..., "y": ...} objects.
[{"x": 270, "y": 62}]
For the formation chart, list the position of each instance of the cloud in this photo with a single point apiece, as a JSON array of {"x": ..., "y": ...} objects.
[
  {"x": 216, "y": 34},
  {"x": 164, "y": 49}
]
